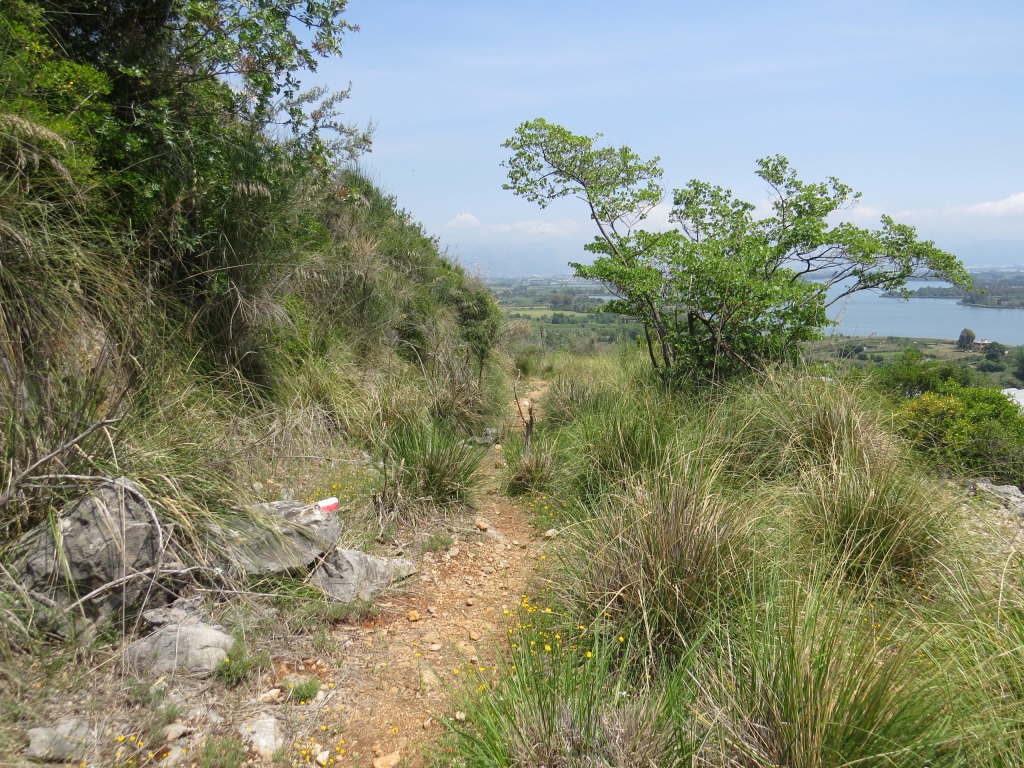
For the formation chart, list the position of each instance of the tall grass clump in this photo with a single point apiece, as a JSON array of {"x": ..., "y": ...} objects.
[
  {"x": 874, "y": 521},
  {"x": 810, "y": 676},
  {"x": 663, "y": 556},
  {"x": 774, "y": 428},
  {"x": 431, "y": 465},
  {"x": 535, "y": 470},
  {"x": 556, "y": 705},
  {"x": 592, "y": 384},
  {"x": 603, "y": 449}
]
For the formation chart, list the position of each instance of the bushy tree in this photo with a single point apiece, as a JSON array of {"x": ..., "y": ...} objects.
[
  {"x": 966, "y": 340},
  {"x": 725, "y": 291}
]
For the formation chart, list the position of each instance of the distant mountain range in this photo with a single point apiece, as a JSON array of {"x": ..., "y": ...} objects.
[{"x": 495, "y": 259}]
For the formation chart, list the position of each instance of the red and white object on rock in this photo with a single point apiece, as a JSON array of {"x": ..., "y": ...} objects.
[{"x": 328, "y": 505}]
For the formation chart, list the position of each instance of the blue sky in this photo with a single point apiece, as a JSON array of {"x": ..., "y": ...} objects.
[{"x": 918, "y": 105}]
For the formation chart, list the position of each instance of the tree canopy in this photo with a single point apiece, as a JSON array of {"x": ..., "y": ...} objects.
[{"x": 724, "y": 291}]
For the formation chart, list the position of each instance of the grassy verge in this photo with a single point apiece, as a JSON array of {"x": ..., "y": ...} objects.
[{"x": 758, "y": 576}]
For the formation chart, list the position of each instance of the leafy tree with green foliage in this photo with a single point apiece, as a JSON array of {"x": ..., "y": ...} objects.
[
  {"x": 724, "y": 292},
  {"x": 966, "y": 340},
  {"x": 1017, "y": 363},
  {"x": 996, "y": 352}
]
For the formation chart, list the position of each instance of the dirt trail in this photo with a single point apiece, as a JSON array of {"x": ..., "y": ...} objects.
[{"x": 397, "y": 671}]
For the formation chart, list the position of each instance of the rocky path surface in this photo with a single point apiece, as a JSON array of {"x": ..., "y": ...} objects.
[
  {"x": 369, "y": 692},
  {"x": 399, "y": 670}
]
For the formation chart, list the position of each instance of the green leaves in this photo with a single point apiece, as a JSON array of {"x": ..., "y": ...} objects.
[
  {"x": 723, "y": 293},
  {"x": 550, "y": 162}
]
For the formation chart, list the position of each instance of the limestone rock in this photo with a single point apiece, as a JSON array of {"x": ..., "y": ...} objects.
[
  {"x": 299, "y": 534},
  {"x": 1010, "y": 496},
  {"x": 102, "y": 537},
  {"x": 349, "y": 575},
  {"x": 264, "y": 736},
  {"x": 175, "y": 731},
  {"x": 488, "y": 437},
  {"x": 67, "y": 741},
  {"x": 1017, "y": 395},
  {"x": 193, "y": 648},
  {"x": 181, "y": 611}
]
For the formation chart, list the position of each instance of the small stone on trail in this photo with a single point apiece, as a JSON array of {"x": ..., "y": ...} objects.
[
  {"x": 387, "y": 761},
  {"x": 460, "y": 716},
  {"x": 270, "y": 697},
  {"x": 515, "y": 542},
  {"x": 68, "y": 741},
  {"x": 454, "y": 552},
  {"x": 429, "y": 679},
  {"x": 435, "y": 646},
  {"x": 432, "y": 609},
  {"x": 550, "y": 533},
  {"x": 470, "y": 601},
  {"x": 488, "y": 570},
  {"x": 414, "y": 616},
  {"x": 474, "y": 635},
  {"x": 175, "y": 731},
  {"x": 482, "y": 524},
  {"x": 323, "y": 757}
]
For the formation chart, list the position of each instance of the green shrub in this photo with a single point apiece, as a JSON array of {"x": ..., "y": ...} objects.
[
  {"x": 239, "y": 664},
  {"x": 304, "y": 691},
  {"x": 909, "y": 374},
  {"x": 968, "y": 429},
  {"x": 223, "y": 752}
]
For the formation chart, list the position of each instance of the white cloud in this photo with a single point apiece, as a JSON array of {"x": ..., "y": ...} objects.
[
  {"x": 463, "y": 221},
  {"x": 1008, "y": 206}
]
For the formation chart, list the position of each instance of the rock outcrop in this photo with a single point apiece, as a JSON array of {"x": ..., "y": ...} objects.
[
  {"x": 193, "y": 648},
  {"x": 349, "y": 575},
  {"x": 108, "y": 543}
]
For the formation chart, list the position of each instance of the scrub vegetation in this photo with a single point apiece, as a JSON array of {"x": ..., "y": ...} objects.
[
  {"x": 762, "y": 573},
  {"x": 753, "y": 563},
  {"x": 202, "y": 292}
]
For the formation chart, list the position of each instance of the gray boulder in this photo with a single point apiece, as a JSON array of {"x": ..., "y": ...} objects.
[
  {"x": 68, "y": 741},
  {"x": 349, "y": 575},
  {"x": 193, "y": 648},
  {"x": 108, "y": 536},
  {"x": 1009, "y": 496},
  {"x": 297, "y": 535},
  {"x": 184, "y": 610}
]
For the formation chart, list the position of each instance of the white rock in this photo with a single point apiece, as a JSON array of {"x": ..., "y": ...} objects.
[
  {"x": 67, "y": 741},
  {"x": 264, "y": 736},
  {"x": 196, "y": 649}
]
